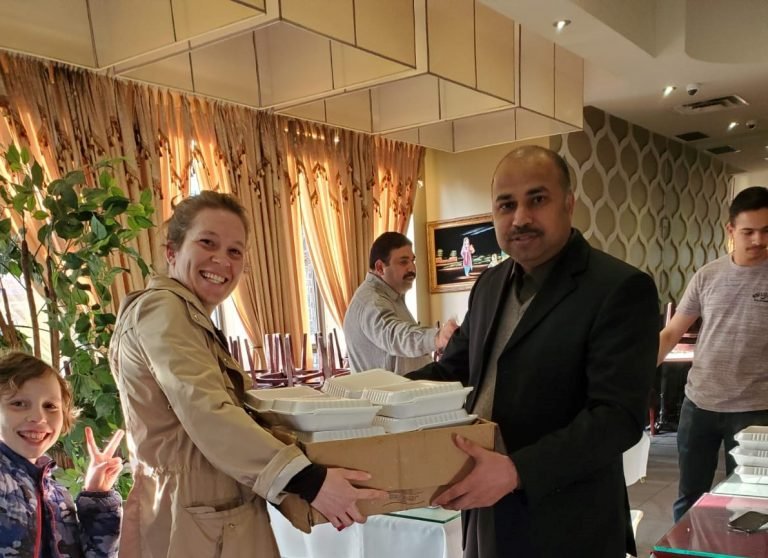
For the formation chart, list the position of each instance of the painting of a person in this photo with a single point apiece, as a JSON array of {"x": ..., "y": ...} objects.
[{"x": 466, "y": 255}]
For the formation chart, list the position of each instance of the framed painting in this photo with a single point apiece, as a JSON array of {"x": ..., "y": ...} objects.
[{"x": 459, "y": 251}]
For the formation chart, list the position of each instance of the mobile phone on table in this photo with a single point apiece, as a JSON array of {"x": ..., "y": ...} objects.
[{"x": 749, "y": 522}]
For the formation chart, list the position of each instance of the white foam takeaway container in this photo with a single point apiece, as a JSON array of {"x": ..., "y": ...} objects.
[
  {"x": 753, "y": 437},
  {"x": 451, "y": 418},
  {"x": 262, "y": 399},
  {"x": 354, "y": 384},
  {"x": 417, "y": 398},
  {"x": 753, "y": 458}
]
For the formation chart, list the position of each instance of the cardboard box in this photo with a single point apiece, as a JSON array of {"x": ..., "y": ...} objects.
[{"x": 414, "y": 467}]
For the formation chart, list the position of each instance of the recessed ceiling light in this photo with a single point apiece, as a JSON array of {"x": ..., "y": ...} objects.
[
  {"x": 668, "y": 90},
  {"x": 561, "y": 24},
  {"x": 732, "y": 125}
]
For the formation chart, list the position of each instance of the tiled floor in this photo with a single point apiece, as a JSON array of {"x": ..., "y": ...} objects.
[{"x": 656, "y": 494}]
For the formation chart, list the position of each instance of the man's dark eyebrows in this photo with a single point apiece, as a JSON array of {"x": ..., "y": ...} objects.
[{"x": 536, "y": 191}]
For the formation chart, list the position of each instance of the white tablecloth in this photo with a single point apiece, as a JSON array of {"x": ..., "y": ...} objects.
[{"x": 382, "y": 536}]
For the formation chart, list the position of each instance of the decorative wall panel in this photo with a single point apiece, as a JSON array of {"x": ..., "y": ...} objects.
[{"x": 647, "y": 199}]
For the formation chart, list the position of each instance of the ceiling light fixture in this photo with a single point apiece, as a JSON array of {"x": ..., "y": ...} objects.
[
  {"x": 668, "y": 90},
  {"x": 561, "y": 24},
  {"x": 732, "y": 125}
]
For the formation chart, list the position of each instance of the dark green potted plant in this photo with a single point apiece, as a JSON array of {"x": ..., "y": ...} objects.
[{"x": 82, "y": 219}]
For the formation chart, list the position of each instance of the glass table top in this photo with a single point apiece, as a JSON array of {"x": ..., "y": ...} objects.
[
  {"x": 434, "y": 515},
  {"x": 704, "y": 531}
]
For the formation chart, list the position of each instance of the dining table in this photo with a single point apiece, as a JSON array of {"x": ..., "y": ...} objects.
[
  {"x": 704, "y": 531},
  {"x": 416, "y": 533}
]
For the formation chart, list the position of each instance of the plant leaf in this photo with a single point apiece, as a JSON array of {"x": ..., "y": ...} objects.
[{"x": 98, "y": 228}]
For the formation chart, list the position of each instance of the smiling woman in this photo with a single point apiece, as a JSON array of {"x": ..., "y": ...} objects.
[{"x": 181, "y": 390}]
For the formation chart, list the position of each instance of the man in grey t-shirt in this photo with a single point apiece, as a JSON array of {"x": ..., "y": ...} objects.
[
  {"x": 378, "y": 327},
  {"x": 727, "y": 387}
]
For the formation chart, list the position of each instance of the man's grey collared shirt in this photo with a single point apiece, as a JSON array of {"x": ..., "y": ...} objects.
[{"x": 381, "y": 332}]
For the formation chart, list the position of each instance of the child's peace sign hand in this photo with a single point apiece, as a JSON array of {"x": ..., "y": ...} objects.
[{"x": 103, "y": 469}]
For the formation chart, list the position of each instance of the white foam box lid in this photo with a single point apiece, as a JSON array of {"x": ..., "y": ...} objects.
[
  {"x": 354, "y": 384},
  {"x": 300, "y": 405},
  {"x": 451, "y": 418},
  {"x": 262, "y": 399},
  {"x": 334, "y": 418},
  {"x": 753, "y": 437},
  {"x": 754, "y": 458},
  {"x": 329, "y": 435},
  {"x": 418, "y": 398},
  {"x": 753, "y": 475}
]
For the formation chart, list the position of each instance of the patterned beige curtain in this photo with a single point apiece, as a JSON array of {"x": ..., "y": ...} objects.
[
  {"x": 73, "y": 119},
  {"x": 398, "y": 167},
  {"x": 350, "y": 187}
]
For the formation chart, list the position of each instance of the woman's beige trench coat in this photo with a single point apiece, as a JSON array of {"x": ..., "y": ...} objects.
[{"x": 202, "y": 468}]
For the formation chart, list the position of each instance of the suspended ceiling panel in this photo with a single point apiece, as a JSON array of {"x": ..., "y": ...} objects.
[
  {"x": 333, "y": 18},
  {"x": 534, "y": 125},
  {"x": 569, "y": 87},
  {"x": 226, "y": 70},
  {"x": 483, "y": 130},
  {"x": 457, "y": 101},
  {"x": 495, "y": 39},
  {"x": 350, "y": 111},
  {"x": 286, "y": 76},
  {"x": 174, "y": 72},
  {"x": 406, "y": 103},
  {"x": 378, "y": 67},
  {"x": 195, "y": 17},
  {"x": 352, "y": 66},
  {"x": 125, "y": 29},
  {"x": 314, "y": 111},
  {"x": 537, "y": 73},
  {"x": 387, "y": 28},
  {"x": 451, "y": 44},
  {"x": 56, "y": 30}
]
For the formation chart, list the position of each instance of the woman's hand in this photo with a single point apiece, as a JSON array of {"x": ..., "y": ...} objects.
[
  {"x": 103, "y": 469},
  {"x": 337, "y": 499}
]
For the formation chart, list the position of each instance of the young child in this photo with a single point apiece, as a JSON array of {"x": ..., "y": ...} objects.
[{"x": 37, "y": 515}]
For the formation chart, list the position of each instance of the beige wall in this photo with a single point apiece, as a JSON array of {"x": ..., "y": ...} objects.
[
  {"x": 641, "y": 197},
  {"x": 747, "y": 179}
]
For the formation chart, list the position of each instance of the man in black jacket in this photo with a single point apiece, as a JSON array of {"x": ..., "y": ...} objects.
[{"x": 560, "y": 344}]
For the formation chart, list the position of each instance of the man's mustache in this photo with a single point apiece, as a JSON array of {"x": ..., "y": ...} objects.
[
  {"x": 518, "y": 231},
  {"x": 409, "y": 276}
]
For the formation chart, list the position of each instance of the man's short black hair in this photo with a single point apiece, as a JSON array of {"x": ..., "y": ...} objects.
[
  {"x": 383, "y": 246},
  {"x": 749, "y": 199}
]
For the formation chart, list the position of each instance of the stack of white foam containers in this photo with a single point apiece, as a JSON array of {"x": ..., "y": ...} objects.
[
  {"x": 369, "y": 403},
  {"x": 751, "y": 454},
  {"x": 314, "y": 416},
  {"x": 405, "y": 405}
]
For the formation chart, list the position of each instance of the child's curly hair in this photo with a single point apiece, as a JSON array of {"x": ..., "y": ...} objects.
[{"x": 16, "y": 368}]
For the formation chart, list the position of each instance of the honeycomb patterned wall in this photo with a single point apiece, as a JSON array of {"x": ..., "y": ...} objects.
[{"x": 647, "y": 199}]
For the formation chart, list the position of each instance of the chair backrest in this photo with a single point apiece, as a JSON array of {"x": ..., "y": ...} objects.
[{"x": 635, "y": 460}]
